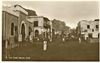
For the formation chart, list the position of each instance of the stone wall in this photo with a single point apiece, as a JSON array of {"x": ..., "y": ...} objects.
[
  {"x": 7, "y": 20},
  {"x": 93, "y": 40}
]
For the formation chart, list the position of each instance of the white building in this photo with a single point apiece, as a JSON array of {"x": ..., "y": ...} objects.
[
  {"x": 41, "y": 26},
  {"x": 88, "y": 28}
]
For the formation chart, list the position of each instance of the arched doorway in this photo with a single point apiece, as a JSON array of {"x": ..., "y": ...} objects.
[
  {"x": 36, "y": 33},
  {"x": 23, "y": 32}
]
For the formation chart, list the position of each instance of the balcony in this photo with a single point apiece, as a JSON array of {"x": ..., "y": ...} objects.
[
  {"x": 46, "y": 25},
  {"x": 46, "y": 22}
]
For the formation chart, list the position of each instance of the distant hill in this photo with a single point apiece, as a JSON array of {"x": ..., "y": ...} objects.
[
  {"x": 59, "y": 25},
  {"x": 31, "y": 12}
]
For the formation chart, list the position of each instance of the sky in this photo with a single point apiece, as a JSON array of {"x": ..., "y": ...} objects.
[{"x": 71, "y": 12}]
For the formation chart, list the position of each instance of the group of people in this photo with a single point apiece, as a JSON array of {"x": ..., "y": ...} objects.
[{"x": 64, "y": 38}]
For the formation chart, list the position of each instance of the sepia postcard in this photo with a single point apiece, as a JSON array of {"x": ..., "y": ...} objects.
[{"x": 50, "y": 31}]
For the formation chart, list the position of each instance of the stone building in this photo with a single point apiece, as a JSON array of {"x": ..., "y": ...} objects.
[
  {"x": 41, "y": 26},
  {"x": 18, "y": 23},
  {"x": 15, "y": 25},
  {"x": 22, "y": 21},
  {"x": 9, "y": 24},
  {"x": 88, "y": 29}
]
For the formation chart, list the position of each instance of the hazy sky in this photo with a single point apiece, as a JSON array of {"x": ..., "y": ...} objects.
[{"x": 69, "y": 11}]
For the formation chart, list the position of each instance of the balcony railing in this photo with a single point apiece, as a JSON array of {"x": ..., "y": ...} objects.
[{"x": 46, "y": 25}]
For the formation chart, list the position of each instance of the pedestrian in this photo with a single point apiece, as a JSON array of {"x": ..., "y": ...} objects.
[
  {"x": 31, "y": 37},
  {"x": 63, "y": 39},
  {"x": 38, "y": 39},
  {"x": 79, "y": 40},
  {"x": 44, "y": 44}
]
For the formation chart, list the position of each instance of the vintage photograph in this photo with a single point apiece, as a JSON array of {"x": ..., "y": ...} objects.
[{"x": 50, "y": 31}]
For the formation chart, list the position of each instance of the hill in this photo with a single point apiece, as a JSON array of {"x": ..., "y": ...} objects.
[{"x": 59, "y": 25}]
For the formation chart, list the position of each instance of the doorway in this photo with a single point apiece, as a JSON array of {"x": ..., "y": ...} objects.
[{"x": 23, "y": 32}]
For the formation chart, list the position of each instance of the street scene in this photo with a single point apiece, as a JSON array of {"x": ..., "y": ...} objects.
[{"x": 50, "y": 31}]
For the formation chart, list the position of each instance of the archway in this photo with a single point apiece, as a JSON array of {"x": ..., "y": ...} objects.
[
  {"x": 23, "y": 32},
  {"x": 36, "y": 33}
]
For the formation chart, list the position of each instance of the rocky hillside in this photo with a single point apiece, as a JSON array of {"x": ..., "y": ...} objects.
[{"x": 59, "y": 25}]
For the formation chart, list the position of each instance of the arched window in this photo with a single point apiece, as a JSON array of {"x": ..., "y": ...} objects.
[
  {"x": 12, "y": 28},
  {"x": 36, "y": 33}
]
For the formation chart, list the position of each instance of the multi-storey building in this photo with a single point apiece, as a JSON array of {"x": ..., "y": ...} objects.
[
  {"x": 41, "y": 26},
  {"x": 88, "y": 29},
  {"x": 17, "y": 23}
]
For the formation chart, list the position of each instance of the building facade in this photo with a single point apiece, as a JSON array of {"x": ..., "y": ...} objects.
[
  {"x": 30, "y": 27},
  {"x": 88, "y": 29},
  {"x": 9, "y": 25},
  {"x": 22, "y": 21},
  {"x": 15, "y": 25},
  {"x": 41, "y": 26}
]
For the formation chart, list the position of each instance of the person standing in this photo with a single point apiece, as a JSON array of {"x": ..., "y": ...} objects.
[
  {"x": 79, "y": 40},
  {"x": 31, "y": 37},
  {"x": 63, "y": 39},
  {"x": 44, "y": 44}
]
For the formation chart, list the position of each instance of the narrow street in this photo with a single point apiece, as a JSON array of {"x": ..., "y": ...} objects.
[{"x": 56, "y": 50}]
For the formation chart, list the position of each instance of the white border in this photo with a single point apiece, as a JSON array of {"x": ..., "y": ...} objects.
[{"x": 30, "y": 0}]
